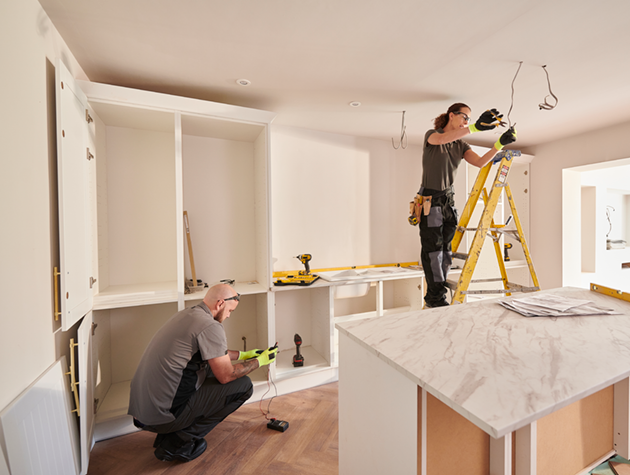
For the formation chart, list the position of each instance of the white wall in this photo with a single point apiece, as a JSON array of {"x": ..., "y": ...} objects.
[
  {"x": 27, "y": 340},
  {"x": 342, "y": 199},
  {"x": 546, "y": 198}
]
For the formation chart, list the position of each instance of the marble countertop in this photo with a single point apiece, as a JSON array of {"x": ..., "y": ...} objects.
[{"x": 497, "y": 368}]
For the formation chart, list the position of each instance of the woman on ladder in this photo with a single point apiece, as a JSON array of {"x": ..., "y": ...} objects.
[{"x": 442, "y": 153}]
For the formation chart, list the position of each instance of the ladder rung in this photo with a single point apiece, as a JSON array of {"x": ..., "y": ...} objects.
[
  {"x": 522, "y": 288},
  {"x": 488, "y": 291},
  {"x": 460, "y": 255},
  {"x": 451, "y": 284},
  {"x": 511, "y": 288}
]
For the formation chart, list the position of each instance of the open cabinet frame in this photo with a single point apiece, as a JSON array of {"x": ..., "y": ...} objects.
[{"x": 130, "y": 162}]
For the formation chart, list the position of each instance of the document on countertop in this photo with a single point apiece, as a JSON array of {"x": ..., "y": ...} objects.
[{"x": 547, "y": 305}]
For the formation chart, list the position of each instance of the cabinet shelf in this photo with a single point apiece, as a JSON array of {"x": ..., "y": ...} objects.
[
  {"x": 118, "y": 296},
  {"x": 112, "y": 418},
  {"x": 313, "y": 361},
  {"x": 243, "y": 288}
]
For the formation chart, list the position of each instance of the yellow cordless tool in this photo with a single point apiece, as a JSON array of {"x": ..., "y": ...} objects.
[{"x": 303, "y": 277}]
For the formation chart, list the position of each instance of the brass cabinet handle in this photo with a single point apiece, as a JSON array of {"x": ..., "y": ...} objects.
[{"x": 56, "y": 275}]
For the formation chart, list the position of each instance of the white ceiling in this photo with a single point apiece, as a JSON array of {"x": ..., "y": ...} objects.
[{"x": 308, "y": 59}]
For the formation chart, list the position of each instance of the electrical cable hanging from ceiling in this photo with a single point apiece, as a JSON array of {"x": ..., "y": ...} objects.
[
  {"x": 545, "y": 105},
  {"x": 403, "y": 135},
  {"x": 512, "y": 100}
]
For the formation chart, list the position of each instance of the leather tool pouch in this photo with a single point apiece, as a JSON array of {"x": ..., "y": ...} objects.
[
  {"x": 415, "y": 207},
  {"x": 426, "y": 205}
]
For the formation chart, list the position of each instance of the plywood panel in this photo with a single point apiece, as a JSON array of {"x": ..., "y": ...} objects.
[
  {"x": 575, "y": 436},
  {"x": 454, "y": 444}
]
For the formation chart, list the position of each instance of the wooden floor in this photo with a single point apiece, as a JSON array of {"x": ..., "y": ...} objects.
[{"x": 242, "y": 444}]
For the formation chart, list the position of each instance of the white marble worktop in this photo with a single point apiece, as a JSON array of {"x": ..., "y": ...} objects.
[{"x": 497, "y": 368}]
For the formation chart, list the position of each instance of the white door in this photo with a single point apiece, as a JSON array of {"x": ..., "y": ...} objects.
[
  {"x": 74, "y": 207},
  {"x": 86, "y": 390}
]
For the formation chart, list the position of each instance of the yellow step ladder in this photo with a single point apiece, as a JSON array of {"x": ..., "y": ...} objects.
[{"x": 487, "y": 227}]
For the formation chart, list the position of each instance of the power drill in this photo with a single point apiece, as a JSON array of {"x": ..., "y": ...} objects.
[
  {"x": 304, "y": 259},
  {"x": 506, "y": 246},
  {"x": 298, "y": 359}
]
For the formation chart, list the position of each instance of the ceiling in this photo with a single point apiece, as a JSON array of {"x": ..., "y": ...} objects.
[{"x": 308, "y": 59}]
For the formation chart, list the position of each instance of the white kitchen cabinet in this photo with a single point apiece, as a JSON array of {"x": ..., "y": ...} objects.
[
  {"x": 152, "y": 157},
  {"x": 131, "y": 162}
]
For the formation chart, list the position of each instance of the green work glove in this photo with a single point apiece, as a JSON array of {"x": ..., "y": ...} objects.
[
  {"x": 267, "y": 356},
  {"x": 245, "y": 355},
  {"x": 508, "y": 137},
  {"x": 486, "y": 121}
]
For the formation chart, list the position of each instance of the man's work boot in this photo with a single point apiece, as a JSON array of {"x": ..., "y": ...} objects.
[{"x": 173, "y": 448}]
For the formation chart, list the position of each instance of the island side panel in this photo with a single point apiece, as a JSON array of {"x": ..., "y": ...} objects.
[
  {"x": 377, "y": 414},
  {"x": 447, "y": 429},
  {"x": 575, "y": 436}
]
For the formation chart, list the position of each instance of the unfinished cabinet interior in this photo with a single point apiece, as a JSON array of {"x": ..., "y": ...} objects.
[
  {"x": 146, "y": 158},
  {"x": 143, "y": 159}
]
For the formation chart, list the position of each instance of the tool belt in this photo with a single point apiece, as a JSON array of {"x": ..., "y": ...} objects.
[
  {"x": 422, "y": 204},
  {"x": 419, "y": 205}
]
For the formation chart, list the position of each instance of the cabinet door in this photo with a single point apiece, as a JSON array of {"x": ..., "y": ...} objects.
[
  {"x": 86, "y": 390},
  {"x": 73, "y": 166}
]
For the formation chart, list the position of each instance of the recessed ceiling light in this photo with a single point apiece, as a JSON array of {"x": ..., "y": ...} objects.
[
  {"x": 355, "y": 104},
  {"x": 243, "y": 82}
]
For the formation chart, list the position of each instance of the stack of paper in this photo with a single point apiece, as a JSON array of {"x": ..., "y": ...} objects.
[{"x": 547, "y": 305}]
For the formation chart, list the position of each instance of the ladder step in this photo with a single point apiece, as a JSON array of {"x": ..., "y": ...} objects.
[
  {"x": 522, "y": 288},
  {"x": 460, "y": 255},
  {"x": 495, "y": 279},
  {"x": 451, "y": 284}
]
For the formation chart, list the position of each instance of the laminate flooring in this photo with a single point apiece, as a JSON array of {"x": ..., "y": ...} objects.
[{"x": 242, "y": 444}]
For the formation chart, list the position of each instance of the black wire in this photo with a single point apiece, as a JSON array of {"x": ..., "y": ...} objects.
[
  {"x": 272, "y": 397},
  {"x": 268, "y": 389},
  {"x": 512, "y": 103}
]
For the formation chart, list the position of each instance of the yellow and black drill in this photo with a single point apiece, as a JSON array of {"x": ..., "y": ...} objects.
[{"x": 305, "y": 259}]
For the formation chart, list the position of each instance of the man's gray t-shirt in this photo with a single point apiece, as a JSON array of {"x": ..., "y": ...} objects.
[
  {"x": 440, "y": 162},
  {"x": 174, "y": 364}
]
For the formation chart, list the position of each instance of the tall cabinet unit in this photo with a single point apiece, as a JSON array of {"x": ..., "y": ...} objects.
[{"x": 131, "y": 162}]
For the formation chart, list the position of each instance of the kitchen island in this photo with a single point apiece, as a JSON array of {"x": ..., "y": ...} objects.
[{"x": 478, "y": 389}]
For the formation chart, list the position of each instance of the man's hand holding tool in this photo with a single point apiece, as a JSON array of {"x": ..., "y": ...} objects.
[
  {"x": 246, "y": 355},
  {"x": 267, "y": 356}
]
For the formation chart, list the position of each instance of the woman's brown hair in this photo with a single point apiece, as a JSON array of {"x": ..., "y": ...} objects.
[{"x": 440, "y": 121}]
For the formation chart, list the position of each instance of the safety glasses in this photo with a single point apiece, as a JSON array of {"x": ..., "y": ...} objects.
[
  {"x": 466, "y": 118},
  {"x": 237, "y": 297}
]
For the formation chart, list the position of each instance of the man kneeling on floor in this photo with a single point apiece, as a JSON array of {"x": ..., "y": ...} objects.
[{"x": 186, "y": 383}]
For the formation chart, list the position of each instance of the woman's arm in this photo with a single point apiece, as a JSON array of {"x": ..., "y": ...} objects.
[
  {"x": 441, "y": 138},
  {"x": 508, "y": 137},
  {"x": 479, "y": 161}
]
